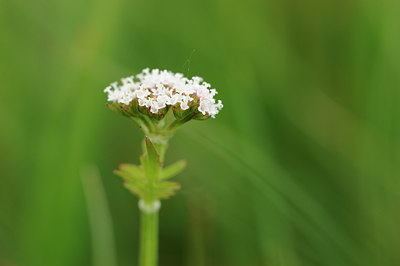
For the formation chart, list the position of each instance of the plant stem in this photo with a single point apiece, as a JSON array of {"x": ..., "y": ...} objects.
[{"x": 148, "y": 253}]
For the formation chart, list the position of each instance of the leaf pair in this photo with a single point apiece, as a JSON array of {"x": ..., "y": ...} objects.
[{"x": 147, "y": 180}]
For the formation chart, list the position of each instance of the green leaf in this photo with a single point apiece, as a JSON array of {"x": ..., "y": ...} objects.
[
  {"x": 173, "y": 169},
  {"x": 164, "y": 194},
  {"x": 152, "y": 154},
  {"x": 168, "y": 185},
  {"x": 134, "y": 189},
  {"x": 151, "y": 161},
  {"x": 133, "y": 170},
  {"x": 128, "y": 176},
  {"x": 132, "y": 184},
  {"x": 166, "y": 189}
]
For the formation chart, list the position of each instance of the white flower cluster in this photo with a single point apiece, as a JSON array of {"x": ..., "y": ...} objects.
[{"x": 157, "y": 89}]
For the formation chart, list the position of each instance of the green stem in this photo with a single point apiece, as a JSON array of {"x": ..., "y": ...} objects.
[{"x": 148, "y": 253}]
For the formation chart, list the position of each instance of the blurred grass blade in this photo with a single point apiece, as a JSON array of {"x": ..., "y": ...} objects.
[{"x": 99, "y": 217}]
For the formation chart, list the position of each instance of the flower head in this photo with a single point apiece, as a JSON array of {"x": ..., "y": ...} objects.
[{"x": 154, "y": 92}]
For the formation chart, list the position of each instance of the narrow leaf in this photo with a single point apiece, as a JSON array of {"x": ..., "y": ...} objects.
[
  {"x": 133, "y": 170},
  {"x": 152, "y": 153},
  {"x": 173, "y": 169},
  {"x": 136, "y": 190},
  {"x": 128, "y": 177},
  {"x": 164, "y": 194},
  {"x": 150, "y": 161},
  {"x": 168, "y": 185}
]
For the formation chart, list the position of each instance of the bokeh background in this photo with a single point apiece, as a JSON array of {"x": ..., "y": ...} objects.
[{"x": 301, "y": 167}]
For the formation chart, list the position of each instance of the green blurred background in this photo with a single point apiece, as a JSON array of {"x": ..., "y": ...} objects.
[{"x": 301, "y": 167}]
